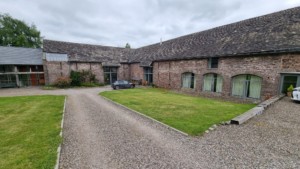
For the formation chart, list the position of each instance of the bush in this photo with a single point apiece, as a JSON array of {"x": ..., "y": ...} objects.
[
  {"x": 75, "y": 77},
  {"x": 291, "y": 88},
  {"x": 62, "y": 82},
  {"x": 82, "y": 78}
]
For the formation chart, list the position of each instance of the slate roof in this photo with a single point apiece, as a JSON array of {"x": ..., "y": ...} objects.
[
  {"x": 20, "y": 56},
  {"x": 87, "y": 53},
  {"x": 272, "y": 33}
]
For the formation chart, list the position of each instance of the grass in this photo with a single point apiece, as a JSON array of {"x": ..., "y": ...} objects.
[
  {"x": 29, "y": 131},
  {"x": 189, "y": 114}
]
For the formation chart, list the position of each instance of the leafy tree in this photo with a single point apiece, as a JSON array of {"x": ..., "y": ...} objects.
[
  {"x": 17, "y": 33},
  {"x": 127, "y": 45}
]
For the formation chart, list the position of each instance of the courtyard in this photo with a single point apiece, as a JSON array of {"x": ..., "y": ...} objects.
[{"x": 98, "y": 134}]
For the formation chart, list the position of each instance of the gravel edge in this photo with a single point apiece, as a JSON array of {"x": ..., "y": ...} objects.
[
  {"x": 145, "y": 116},
  {"x": 60, "y": 134}
]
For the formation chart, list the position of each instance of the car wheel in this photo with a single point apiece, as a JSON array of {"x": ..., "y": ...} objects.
[
  {"x": 117, "y": 87},
  {"x": 132, "y": 86}
]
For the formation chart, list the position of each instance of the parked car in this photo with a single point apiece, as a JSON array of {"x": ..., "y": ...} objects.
[
  {"x": 296, "y": 94},
  {"x": 122, "y": 84}
]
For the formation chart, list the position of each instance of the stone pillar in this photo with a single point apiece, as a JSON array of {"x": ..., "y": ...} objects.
[{"x": 17, "y": 76}]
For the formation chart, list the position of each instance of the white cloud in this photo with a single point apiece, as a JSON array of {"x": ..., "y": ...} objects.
[{"x": 139, "y": 22}]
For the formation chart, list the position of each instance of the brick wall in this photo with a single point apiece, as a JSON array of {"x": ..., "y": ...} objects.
[
  {"x": 95, "y": 68},
  {"x": 136, "y": 71},
  {"x": 167, "y": 74},
  {"x": 123, "y": 72},
  {"x": 290, "y": 63},
  {"x": 53, "y": 70}
]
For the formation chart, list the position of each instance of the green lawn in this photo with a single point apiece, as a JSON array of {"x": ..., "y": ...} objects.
[
  {"x": 29, "y": 131},
  {"x": 189, "y": 114}
]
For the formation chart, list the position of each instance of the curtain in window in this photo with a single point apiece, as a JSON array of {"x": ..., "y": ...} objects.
[
  {"x": 255, "y": 87},
  {"x": 219, "y": 84},
  {"x": 186, "y": 80},
  {"x": 238, "y": 85},
  {"x": 208, "y": 80}
]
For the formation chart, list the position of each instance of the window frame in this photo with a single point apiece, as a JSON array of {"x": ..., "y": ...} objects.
[
  {"x": 213, "y": 83},
  {"x": 148, "y": 74},
  {"x": 246, "y": 85},
  {"x": 213, "y": 63},
  {"x": 110, "y": 72},
  {"x": 192, "y": 80}
]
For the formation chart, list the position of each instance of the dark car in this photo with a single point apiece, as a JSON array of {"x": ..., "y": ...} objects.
[{"x": 122, "y": 84}]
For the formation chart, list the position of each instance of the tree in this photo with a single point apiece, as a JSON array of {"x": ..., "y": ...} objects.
[
  {"x": 14, "y": 32},
  {"x": 127, "y": 46}
]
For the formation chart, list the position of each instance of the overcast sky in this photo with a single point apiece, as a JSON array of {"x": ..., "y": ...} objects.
[{"x": 138, "y": 22}]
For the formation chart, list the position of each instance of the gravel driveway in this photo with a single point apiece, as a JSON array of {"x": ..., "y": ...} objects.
[{"x": 97, "y": 134}]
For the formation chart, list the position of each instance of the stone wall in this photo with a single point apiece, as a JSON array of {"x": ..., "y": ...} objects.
[
  {"x": 136, "y": 71},
  {"x": 167, "y": 74},
  {"x": 290, "y": 63},
  {"x": 123, "y": 72},
  {"x": 53, "y": 70},
  {"x": 95, "y": 68}
]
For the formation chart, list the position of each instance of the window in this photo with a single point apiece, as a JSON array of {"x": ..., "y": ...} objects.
[
  {"x": 213, "y": 82},
  {"x": 188, "y": 80},
  {"x": 246, "y": 86},
  {"x": 110, "y": 74},
  {"x": 213, "y": 62},
  {"x": 148, "y": 74},
  {"x": 6, "y": 68},
  {"x": 8, "y": 81}
]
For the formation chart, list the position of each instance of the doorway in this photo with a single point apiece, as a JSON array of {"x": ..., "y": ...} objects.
[
  {"x": 289, "y": 79},
  {"x": 110, "y": 74}
]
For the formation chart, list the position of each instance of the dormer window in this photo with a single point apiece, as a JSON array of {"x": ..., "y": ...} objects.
[{"x": 213, "y": 63}]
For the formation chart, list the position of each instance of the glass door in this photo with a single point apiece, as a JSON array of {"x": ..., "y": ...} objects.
[
  {"x": 110, "y": 74},
  {"x": 290, "y": 80}
]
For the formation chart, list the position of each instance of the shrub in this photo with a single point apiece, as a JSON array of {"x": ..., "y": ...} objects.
[
  {"x": 82, "y": 78},
  {"x": 63, "y": 82},
  {"x": 291, "y": 88},
  {"x": 75, "y": 77}
]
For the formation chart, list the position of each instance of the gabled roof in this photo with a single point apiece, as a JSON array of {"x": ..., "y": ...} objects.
[
  {"x": 87, "y": 53},
  {"x": 272, "y": 33},
  {"x": 20, "y": 56}
]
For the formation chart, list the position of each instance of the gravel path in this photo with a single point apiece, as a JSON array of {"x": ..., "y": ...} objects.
[{"x": 97, "y": 134}]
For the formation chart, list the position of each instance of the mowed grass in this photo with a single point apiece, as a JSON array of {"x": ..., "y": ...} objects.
[
  {"x": 29, "y": 131},
  {"x": 189, "y": 114}
]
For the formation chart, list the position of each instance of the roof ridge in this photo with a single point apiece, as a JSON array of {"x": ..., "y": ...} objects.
[{"x": 77, "y": 43}]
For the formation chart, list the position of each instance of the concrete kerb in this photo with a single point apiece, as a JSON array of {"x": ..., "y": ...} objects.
[
  {"x": 60, "y": 134},
  {"x": 145, "y": 116},
  {"x": 259, "y": 109}
]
